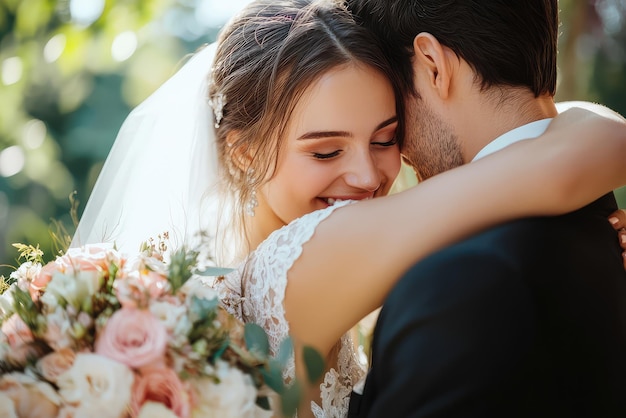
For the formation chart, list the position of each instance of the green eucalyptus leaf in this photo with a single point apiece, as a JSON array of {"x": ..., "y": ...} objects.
[
  {"x": 201, "y": 308},
  {"x": 285, "y": 352},
  {"x": 220, "y": 351},
  {"x": 214, "y": 271},
  {"x": 256, "y": 339},
  {"x": 290, "y": 399},
  {"x": 273, "y": 377},
  {"x": 314, "y": 363}
]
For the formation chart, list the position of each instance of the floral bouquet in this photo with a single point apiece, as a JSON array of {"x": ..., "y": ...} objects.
[{"x": 97, "y": 333}]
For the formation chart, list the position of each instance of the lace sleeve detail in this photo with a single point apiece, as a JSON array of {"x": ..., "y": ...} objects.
[
  {"x": 256, "y": 292},
  {"x": 265, "y": 274}
]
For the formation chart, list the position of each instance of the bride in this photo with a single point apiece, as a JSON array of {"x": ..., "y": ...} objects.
[{"x": 295, "y": 111}]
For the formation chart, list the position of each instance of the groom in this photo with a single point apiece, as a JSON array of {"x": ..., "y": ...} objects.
[{"x": 527, "y": 319}]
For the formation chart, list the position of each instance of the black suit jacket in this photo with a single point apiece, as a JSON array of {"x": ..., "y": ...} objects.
[{"x": 527, "y": 319}]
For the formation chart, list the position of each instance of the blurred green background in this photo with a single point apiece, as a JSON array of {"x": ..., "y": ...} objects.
[{"x": 71, "y": 70}]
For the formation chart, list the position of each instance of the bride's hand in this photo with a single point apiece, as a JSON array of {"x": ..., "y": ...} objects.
[{"x": 618, "y": 220}]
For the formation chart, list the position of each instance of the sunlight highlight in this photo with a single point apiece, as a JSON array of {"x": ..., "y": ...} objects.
[
  {"x": 54, "y": 47},
  {"x": 85, "y": 12},
  {"x": 11, "y": 161},
  {"x": 12, "y": 69},
  {"x": 124, "y": 46},
  {"x": 34, "y": 134}
]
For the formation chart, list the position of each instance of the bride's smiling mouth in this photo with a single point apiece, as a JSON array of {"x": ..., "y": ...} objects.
[{"x": 332, "y": 200}]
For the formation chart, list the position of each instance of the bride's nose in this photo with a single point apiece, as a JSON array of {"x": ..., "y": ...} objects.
[{"x": 363, "y": 172}]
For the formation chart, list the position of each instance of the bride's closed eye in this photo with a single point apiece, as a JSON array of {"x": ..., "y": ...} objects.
[
  {"x": 385, "y": 134},
  {"x": 390, "y": 143},
  {"x": 326, "y": 156},
  {"x": 330, "y": 155}
]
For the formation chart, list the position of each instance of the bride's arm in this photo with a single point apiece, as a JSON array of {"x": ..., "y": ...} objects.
[{"x": 359, "y": 252}]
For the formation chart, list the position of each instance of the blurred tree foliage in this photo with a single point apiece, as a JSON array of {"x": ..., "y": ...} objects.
[
  {"x": 70, "y": 71},
  {"x": 592, "y": 56}
]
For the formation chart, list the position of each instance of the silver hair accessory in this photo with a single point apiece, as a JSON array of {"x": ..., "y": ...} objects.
[
  {"x": 217, "y": 103},
  {"x": 253, "y": 202}
]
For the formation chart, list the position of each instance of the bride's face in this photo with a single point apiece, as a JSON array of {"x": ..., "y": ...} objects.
[{"x": 340, "y": 144}]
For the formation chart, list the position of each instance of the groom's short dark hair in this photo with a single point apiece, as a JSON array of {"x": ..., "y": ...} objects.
[{"x": 507, "y": 42}]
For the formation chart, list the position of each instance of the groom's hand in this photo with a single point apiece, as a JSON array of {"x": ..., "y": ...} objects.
[{"x": 618, "y": 220}]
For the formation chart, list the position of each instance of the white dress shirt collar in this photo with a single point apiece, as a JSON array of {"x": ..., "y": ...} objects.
[{"x": 528, "y": 131}]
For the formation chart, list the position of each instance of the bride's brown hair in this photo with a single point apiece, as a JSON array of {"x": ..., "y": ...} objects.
[{"x": 267, "y": 56}]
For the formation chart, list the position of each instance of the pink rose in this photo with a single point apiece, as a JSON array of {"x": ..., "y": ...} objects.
[
  {"x": 133, "y": 337},
  {"x": 31, "y": 399},
  {"x": 40, "y": 281},
  {"x": 162, "y": 385},
  {"x": 56, "y": 363},
  {"x": 96, "y": 257},
  {"x": 17, "y": 332},
  {"x": 84, "y": 262}
]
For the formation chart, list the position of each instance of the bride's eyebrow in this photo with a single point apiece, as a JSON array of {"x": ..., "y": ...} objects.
[
  {"x": 334, "y": 134},
  {"x": 325, "y": 134},
  {"x": 388, "y": 122}
]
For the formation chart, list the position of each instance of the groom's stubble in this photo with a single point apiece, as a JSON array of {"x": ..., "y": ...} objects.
[{"x": 431, "y": 145}]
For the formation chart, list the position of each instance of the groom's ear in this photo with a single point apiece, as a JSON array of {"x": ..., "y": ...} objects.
[{"x": 434, "y": 63}]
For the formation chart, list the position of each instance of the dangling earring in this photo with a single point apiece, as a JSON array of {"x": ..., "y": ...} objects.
[{"x": 253, "y": 202}]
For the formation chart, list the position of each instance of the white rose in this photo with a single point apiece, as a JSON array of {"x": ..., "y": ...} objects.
[
  {"x": 97, "y": 385},
  {"x": 168, "y": 313},
  {"x": 155, "y": 410},
  {"x": 233, "y": 397}
]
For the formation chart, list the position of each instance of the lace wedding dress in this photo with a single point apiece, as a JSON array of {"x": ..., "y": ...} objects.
[{"x": 255, "y": 293}]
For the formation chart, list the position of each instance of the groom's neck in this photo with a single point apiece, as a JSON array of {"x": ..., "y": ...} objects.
[{"x": 493, "y": 114}]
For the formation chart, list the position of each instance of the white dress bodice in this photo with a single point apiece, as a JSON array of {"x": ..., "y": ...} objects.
[{"x": 255, "y": 293}]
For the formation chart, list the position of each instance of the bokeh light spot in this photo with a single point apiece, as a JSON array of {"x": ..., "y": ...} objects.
[
  {"x": 54, "y": 47},
  {"x": 34, "y": 134},
  {"x": 124, "y": 46},
  {"x": 11, "y": 70},
  {"x": 85, "y": 12},
  {"x": 11, "y": 161}
]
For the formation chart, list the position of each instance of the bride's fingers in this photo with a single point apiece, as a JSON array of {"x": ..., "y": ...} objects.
[
  {"x": 618, "y": 219},
  {"x": 621, "y": 235}
]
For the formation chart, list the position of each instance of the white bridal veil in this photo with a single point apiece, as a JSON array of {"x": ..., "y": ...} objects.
[{"x": 161, "y": 167}]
